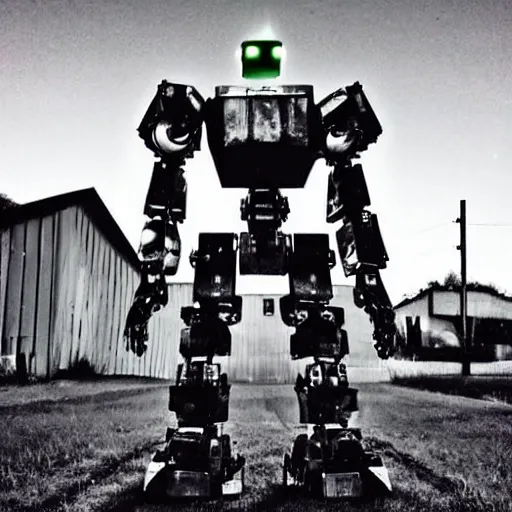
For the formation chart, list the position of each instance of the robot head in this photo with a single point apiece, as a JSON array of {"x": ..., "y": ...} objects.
[{"x": 261, "y": 59}]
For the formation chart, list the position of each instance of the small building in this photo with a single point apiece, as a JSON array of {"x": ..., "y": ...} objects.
[
  {"x": 67, "y": 279},
  {"x": 430, "y": 326}
]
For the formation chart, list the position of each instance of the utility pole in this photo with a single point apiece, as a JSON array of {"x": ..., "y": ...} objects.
[{"x": 465, "y": 342}]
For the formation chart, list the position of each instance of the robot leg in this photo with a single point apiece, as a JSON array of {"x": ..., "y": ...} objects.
[
  {"x": 200, "y": 397},
  {"x": 323, "y": 394},
  {"x": 330, "y": 460}
]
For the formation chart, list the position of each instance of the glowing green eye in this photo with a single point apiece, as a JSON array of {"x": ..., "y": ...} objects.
[
  {"x": 261, "y": 59},
  {"x": 277, "y": 52},
  {"x": 252, "y": 52}
]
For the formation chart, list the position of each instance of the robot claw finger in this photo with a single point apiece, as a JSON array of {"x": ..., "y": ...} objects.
[{"x": 262, "y": 139}]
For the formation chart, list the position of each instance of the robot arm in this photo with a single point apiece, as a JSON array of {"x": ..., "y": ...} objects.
[
  {"x": 171, "y": 129},
  {"x": 350, "y": 126}
]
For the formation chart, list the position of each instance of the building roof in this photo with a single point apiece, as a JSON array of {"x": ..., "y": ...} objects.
[
  {"x": 93, "y": 205},
  {"x": 471, "y": 287},
  {"x": 416, "y": 297}
]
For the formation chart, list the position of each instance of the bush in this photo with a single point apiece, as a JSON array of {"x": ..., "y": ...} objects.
[{"x": 81, "y": 369}]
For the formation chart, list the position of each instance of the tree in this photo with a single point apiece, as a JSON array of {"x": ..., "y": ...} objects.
[
  {"x": 6, "y": 202},
  {"x": 452, "y": 280}
]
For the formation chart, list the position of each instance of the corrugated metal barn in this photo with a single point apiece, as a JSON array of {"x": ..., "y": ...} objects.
[
  {"x": 260, "y": 350},
  {"x": 67, "y": 278}
]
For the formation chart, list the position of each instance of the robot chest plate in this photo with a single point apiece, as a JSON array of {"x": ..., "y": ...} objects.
[{"x": 267, "y": 138}]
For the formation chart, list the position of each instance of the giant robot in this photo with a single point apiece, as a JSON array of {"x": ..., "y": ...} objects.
[{"x": 262, "y": 139}]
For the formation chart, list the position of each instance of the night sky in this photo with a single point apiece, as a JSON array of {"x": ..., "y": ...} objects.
[{"x": 77, "y": 76}]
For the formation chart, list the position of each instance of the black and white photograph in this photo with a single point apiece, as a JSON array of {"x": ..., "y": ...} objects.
[{"x": 255, "y": 255}]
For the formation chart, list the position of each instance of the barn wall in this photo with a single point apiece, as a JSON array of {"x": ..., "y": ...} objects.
[
  {"x": 65, "y": 293},
  {"x": 435, "y": 332},
  {"x": 27, "y": 254},
  {"x": 64, "y": 296},
  {"x": 94, "y": 287},
  {"x": 260, "y": 344},
  {"x": 94, "y": 291},
  {"x": 419, "y": 308}
]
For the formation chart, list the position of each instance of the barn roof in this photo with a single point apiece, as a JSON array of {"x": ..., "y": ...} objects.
[{"x": 95, "y": 208}]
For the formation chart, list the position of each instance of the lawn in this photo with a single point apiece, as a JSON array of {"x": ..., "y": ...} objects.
[
  {"x": 89, "y": 453},
  {"x": 50, "y": 451}
]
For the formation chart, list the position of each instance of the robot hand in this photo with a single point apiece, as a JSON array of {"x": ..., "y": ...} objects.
[
  {"x": 371, "y": 295},
  {"x": 149, "y": 298}
]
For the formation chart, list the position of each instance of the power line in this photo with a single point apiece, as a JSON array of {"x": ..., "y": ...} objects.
[
  {"x": 494, "y": 225},
  {"x": 431, "y": 228},
  {"x": 430, "y": 250}
]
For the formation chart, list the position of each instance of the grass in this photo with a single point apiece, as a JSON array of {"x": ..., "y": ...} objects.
[
  {"x": 442, "y": 437},
  {"x": 488, "y": 381},
  {"x": 404, "y": 368},
  {"x": 90, "y": 454},
  {"x": 49, "y": 451},
  {"x": 480, "y": 387}
]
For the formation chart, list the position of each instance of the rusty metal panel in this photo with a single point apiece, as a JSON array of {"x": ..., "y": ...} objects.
[
  {"x": 88, "y": 317},
  {"x": 297, "y": 126},
  {"x": 53, "y": 358},
  {"x": 98, "y": 262},
  {"x": 66, "y": 285},
  {"x": 109, "y": 335},
  {"x": 236, "y": 118},
  {"x": 116, "y": 318},
  {"x": 266, "y": 125},
  {"x": 101, "y": 345}
]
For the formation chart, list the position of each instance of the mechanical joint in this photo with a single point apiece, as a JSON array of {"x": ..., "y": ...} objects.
[
  {"x": 201, "y": 394},
  {"x": 324, "y": 394},
  {"x": 172, "y": 124},
  {"x": 309, "y": 268},
  {"x": 264, "y": 210},
  {"x": 349, "y": 122},
  {"x": 360, "y": 244},
  {"x": 347, "y": 192}
]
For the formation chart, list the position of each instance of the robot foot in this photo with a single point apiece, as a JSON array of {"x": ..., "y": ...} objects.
[
  {"x": 196, "y": 462},
  {"x": 332, "y": 462}
]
